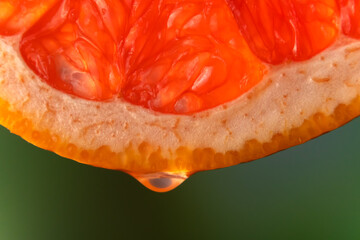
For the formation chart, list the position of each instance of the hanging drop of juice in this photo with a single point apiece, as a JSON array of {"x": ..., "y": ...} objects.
[{"x": 160, "y": 182}]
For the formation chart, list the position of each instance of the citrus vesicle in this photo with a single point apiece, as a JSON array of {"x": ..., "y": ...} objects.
[
  {"x": 17, "y": 16},
  {"x": 164, "y": 89}
]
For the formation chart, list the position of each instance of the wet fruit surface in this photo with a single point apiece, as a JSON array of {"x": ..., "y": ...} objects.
[
  {"x": 350, "y": 11},
  {"x": 165, "y": 56},
  {"x": 170, "y": 56},
  {"x": 287, "y": 30}
]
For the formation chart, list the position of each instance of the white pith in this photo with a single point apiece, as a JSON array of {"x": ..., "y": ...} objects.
[{"x": 288, "y": 94}]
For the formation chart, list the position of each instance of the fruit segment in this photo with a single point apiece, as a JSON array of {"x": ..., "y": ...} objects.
[
  {"x": 19, "y": 15},
  {"x": 169, "y": 56},
  {"x": 188, "y": 58},
  {"x": 279, "y": 30},
  {"x": 75, "y": 51},
  {"x": 350, "y": 13}
]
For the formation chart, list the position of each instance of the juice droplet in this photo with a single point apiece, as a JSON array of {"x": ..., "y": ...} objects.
[{"x": 160, "y": 182}]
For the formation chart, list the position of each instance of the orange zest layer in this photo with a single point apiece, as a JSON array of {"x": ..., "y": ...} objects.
[{"x": 144, "y": 159}]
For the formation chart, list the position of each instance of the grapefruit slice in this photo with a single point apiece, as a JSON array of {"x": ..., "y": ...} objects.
[{"x": 164, "y": 89}]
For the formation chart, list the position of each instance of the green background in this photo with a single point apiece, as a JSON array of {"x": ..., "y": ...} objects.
[{"x": 310, "y": 191}]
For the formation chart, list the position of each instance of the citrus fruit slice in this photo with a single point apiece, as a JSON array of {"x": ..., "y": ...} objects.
[{"x": 164, "y": 89}]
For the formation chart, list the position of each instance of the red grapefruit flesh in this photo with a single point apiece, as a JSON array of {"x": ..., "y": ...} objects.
[
  {"x": 181, "y": 61},
  {"x": 350, "y": 12},
  {"x": 17, "y": 16},
  {"x": 186, "y": 56},
  {"x": 287, "y": 30}
]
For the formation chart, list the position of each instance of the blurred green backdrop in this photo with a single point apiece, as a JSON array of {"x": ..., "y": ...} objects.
[{"x": 310, "y": 191}]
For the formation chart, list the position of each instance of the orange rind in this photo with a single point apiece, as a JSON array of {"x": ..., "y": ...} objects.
[{"x": 141, "y": 142}]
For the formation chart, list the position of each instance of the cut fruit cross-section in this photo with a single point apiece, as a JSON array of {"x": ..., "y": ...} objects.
[{"x": 164, "y": 89}]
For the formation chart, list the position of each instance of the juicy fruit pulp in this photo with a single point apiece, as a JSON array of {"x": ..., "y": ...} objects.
[
  {"x": 170, "y": 56},
  {"x": 16, "y": 15},
  {"x": 287, "y": 30}
]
